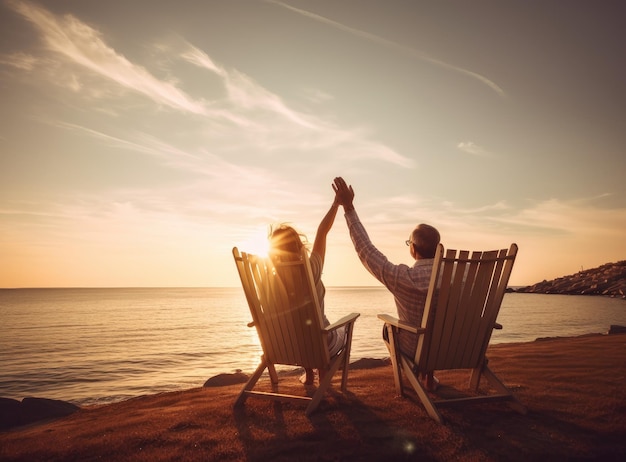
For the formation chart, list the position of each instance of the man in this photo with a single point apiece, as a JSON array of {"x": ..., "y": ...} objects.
[{"x": 407, "y": 284}]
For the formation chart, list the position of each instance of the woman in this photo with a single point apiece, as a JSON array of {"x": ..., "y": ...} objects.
[{"x": 285, "y": 241}]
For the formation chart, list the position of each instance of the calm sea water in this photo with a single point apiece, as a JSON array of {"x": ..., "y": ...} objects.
[{"x": 93, "y": 346}]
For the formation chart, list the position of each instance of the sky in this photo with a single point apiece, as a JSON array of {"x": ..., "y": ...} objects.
[{"x": 141, "y": 141}]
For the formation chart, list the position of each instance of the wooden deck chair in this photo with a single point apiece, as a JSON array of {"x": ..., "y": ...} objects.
[
  {"x": 462, "y": 305},
  {"x": 286, "y": 313}
]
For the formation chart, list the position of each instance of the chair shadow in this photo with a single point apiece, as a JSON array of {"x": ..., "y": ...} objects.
[
  {"x": 499, "y": 431},
  {"x": 278, "y": 430}
]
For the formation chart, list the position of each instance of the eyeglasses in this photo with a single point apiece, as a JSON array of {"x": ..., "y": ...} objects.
[{"x": 408, "y": 242}]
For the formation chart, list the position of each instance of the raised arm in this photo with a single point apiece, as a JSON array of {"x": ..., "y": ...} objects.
[{"x": 319, "y": 246}]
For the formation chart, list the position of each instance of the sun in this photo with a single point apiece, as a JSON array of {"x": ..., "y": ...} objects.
[{"x": 257, "y": 244}]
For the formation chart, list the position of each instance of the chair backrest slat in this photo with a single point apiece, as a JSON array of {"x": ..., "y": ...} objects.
[
  {"x": 475, "y": 308},
  {"x": 443, "y": 292},
  {"x": 464, "y": 299},
  {"x": 453, "y": 341}
]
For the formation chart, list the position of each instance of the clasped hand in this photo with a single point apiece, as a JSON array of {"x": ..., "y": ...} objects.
[{"x": 344, "y": 194}]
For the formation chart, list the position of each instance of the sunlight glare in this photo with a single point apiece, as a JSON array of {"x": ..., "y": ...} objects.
[{"x": 257, "y": 244}]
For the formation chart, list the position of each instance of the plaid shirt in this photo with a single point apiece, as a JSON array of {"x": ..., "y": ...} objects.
[{"x": 408, "y": 284}]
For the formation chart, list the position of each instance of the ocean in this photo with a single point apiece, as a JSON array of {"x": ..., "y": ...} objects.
[{"x": 95, "y": 346}]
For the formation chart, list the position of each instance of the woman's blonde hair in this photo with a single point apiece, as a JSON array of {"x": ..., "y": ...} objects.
[{"x": 286, "y": 243}]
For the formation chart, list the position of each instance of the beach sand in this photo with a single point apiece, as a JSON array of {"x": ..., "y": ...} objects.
[{"x": 574, "y": 389}]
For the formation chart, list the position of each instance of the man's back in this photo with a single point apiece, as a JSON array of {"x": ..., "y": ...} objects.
[{"x": 407, "y": 284}]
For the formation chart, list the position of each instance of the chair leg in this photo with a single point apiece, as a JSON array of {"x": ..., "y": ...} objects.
[
  {"x": 273, "y": 375},
  {"x": 475, "y": 378},
  {"x": 346, "y": 361},
  {"x": 395, "y": 359},
  {"x": 496, "y": 383},
  {"x": 421, "y": 391},
  {"x": 251, "y": 383},
  {"x": 325, "y": 379}
]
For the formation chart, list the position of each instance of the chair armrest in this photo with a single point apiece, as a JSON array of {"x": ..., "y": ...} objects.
[
  {"x": 343, "y": 321},
  {"x": 400, "y": 325}
]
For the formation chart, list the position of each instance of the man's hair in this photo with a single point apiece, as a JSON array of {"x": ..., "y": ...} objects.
[{"x": 425, "y": 238}]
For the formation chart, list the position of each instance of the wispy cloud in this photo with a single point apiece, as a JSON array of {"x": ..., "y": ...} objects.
[
  {"x": 578, "y": 217},
  {"x": 244, "y": 92},
  {"x": 248, "y": 116},
  {"x": 202, "y": 163},
  {"x": 110, "y": 139},
  {"x": 84, "y": 45},
  {"x": 23, "y": 61},
  {"x": 472, "y": 148},
  {"x": 391, "y": 44},
  {"x": 289, "y": 128}
]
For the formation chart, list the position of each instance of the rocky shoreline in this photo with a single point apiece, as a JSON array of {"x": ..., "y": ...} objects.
[{"x": 608, "y": 280}]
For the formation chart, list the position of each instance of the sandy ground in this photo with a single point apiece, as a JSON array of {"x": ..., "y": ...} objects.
[{"x": 574, "y": 389}]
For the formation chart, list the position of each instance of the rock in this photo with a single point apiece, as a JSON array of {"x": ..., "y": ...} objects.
[
  {"x": 221, "y": 380},
  {"x": 14, "y": 413},
  {"x": 615, "y": 329},
  {"x": 369, "y": 363},
  {"x": 9, "y": 413}
]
